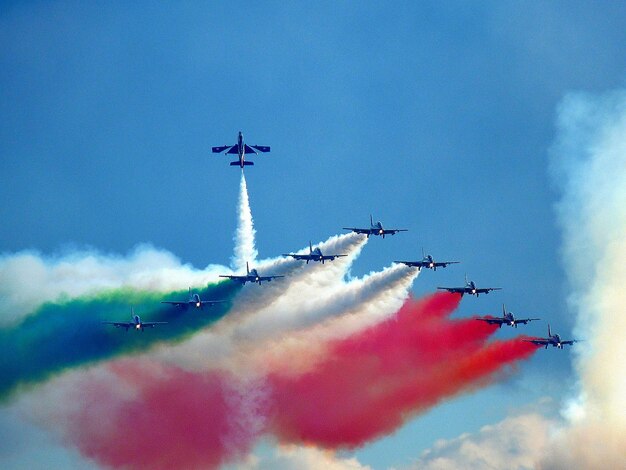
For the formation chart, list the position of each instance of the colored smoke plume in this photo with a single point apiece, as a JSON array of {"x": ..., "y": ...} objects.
[
  {"x": 365, "y": 386},
  {"x": 70, "y": 334}
]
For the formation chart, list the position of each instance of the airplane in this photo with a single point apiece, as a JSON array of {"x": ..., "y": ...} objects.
[
  {"x": 428, "y": 262},
  {"x": 470, "y": 288},
  {"x": 314, "y": 255},
  {"x": 193, "y": 301},
  {"x": 507, "y": 318},
  {"x": 376, "y": 229},
  {"x": 240, "y": 148},
  {"x": 251, "y": 276},
  {"x": 135, "y": 322},
  {"x": 552, "y": 339}
]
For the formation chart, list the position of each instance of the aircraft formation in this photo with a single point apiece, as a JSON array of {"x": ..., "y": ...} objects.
[{"x": 241, "y": 149}]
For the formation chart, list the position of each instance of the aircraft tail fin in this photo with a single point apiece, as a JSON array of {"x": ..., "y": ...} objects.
[
  {"x": 247, "y": 268},
  {"x": 310, "y": 247},
  {"x": 371, "y": 220},
  {"x": 549, "y": 332},
  {"x": 503, "y": 310}
]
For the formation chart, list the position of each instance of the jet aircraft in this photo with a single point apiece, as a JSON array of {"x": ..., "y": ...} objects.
[
  {"x": 251, "y": 276},
  {"x": 241, "y": 149},
  {"x": 552, "y": 339},
  {"x": 314, "y": 255},
  {"x": 193, "y": 301},
  {"x": 135, "y": 322},
  {"x": 470, "y": 288},
  {"x": 428, "y": 262},
  {"x": 507, "y": 318},
  {"x": 376, "y": 229}
]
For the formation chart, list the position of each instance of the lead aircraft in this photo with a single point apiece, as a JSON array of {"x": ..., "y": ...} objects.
[
  {"x": 134, "y": 323},
  {"x": 241, "y": 149}
]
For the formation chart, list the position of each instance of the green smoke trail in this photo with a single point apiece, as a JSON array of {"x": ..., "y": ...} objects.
[{"x": 69, "y": 333}]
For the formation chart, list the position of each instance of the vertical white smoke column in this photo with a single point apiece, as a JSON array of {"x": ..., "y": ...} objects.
[
  {"x": 244, "y": 236},
  {"x": 589, "y": 163}
]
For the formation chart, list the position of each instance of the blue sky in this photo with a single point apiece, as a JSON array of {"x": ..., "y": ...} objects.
[{"x": 433, "y": 116}]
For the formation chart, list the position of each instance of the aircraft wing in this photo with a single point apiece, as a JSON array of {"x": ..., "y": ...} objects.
[
  {"x": 524, "y": 321},
  {"x": 457, "y": 290},
  {"x": 268, "y": 278},
  {"x": 486, "y": 290},
  {"x": 332, "y": 257},
  {"x": 118, "y": 324},
  {"x": 569, "y": 341},
  {"x": 357, "y": 230},
  {"x": 539, "y": 341},
  {"x": 212, "y": 302},
  {"x": 260, "y": 148},
  {"x": 298, "y": 257},
  {"x": 249, "y": 149},
  {"x": 492, "y": 321},
  {"x": 222, "y": 148},
  {"x": 443, "y": 264},
  {"x": 415, "y": 264},
  {"x": 152, "y": 324},
  {"x": 235, "y": 278},
  {"x": 393, "y": 231},
  {"x": 171, "y": 302}
]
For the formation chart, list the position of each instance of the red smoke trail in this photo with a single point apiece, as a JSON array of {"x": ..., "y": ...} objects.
[
  {"x": 365, "y": 386},
  {"x": 371, "y": 382},
  {"x": 170, "y": 419}
]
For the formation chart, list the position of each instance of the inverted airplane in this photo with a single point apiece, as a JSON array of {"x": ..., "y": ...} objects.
[
  {"x": 507, "y": 318},
  {"x": 376, "y": 229},
  {"x": 428, "y": 262},
  {"x": 251, "y": 275},
  {"x": 134, "y": 323},
  {"x": 552, "y": 339},
  {"x": 314, "y": 255},
  {"x": 193, "y": 301},
  {"x": 241, "y": 149},
  {"x": 470, "y": 288}
]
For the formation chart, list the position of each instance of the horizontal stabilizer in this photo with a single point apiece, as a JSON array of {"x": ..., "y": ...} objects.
[{"x": 246, "y": 163}]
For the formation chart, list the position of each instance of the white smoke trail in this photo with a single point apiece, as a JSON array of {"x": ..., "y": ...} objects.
[
  {"x": 590, "y": 167},
  {"x": 28, "y": 279},
  {"x": 245, "y": 250}
]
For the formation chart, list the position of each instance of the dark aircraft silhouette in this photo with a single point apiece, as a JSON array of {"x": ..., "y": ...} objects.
[
  {"x": 507, "y": 318},
  {"x": 470, "y": 288},
  {"x": 427, "y": 262},
  {"x": 251, "y": 276},
  {"x": 193, "y": 301},
  {"x": 376, "y": 229},
  {"x": 552, "y": 339},
  {"x": 241, "y": 149},
  {"x": 135, "y": 322},
  {"x": 314, "y": 255}
]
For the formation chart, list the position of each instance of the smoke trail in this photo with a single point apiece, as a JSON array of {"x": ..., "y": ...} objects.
[
  {"x": 245, "y": 250},
  {"x": 28, "y": 279},
  {"x": 365, "y": 386},
  {"x": 589, "y": 167},
  {"x": 402, "y": 366},
  {"x": 69, "y": 334}
]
